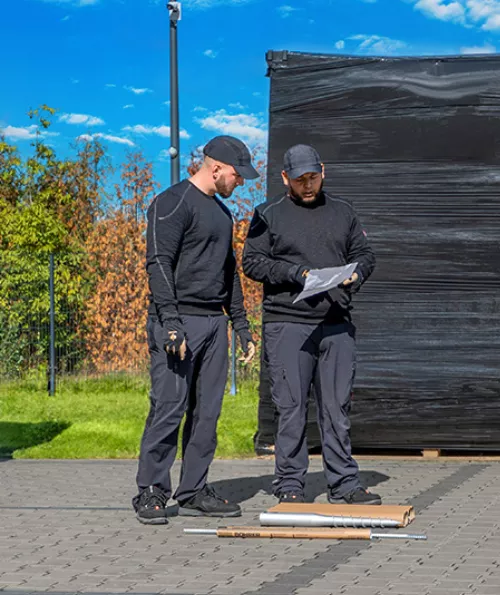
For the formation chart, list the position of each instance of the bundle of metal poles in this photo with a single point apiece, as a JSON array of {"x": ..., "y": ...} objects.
[{"x": 293, "y": 519}]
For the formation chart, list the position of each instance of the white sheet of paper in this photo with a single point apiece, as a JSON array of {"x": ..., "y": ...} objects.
[{"x": 320, "y": 280}]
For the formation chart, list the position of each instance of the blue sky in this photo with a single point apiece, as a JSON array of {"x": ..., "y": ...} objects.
[{"x": 104, "y": 63}]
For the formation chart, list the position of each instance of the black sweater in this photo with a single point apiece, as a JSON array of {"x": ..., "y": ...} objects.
[
  {"x": 286, "y": 235},
  {"x": 189, "y": 256}
]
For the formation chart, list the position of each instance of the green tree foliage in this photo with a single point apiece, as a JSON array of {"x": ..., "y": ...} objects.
[{"x": 47, "y": 205}]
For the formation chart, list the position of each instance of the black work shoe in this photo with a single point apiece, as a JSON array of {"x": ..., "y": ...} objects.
[
  {"x": 357, "y": 496},
  {"x": 150, "y": 507},
  {"x": 208, "y": 503},
  {"x": 291, "y": 496}
]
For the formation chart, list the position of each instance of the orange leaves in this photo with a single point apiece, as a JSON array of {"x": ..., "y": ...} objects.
[{"x": 115, "y": 316}]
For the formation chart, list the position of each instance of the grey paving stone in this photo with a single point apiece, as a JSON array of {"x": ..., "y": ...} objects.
[{"x": 456, "y": 503}]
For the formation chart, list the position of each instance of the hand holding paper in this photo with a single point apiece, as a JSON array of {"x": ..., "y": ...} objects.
[
  {"x": 352, "y": 279},
  {"x": 320, "y": 280}
]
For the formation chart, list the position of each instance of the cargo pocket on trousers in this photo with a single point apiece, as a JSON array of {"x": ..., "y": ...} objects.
[{"x": 281, "y": 390}]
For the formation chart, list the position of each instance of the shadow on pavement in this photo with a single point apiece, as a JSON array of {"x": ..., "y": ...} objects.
[
  {"x": 240, "y": 489},
  {"x": 243, "y": 488}
]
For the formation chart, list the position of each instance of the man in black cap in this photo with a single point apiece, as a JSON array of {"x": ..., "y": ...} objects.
[
  {"x": 311, "y": 341},
  {"x": 193, "y": 282}
]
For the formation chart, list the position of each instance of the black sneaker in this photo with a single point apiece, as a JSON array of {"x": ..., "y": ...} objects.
[
  {"x": 150, "y": 506},
  {"x": 208, "y": 503},
  {"x": 357, "y": 496},
  {"x": 291, "y": 496}
]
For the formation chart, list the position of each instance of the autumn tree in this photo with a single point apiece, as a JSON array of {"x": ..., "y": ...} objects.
[{"x": 115, "y": 315}]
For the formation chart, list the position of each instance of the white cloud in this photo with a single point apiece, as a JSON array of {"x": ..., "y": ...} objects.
[
  {"x": 476, "y": 49},
  {"x": 75, "y": 81},
  {"x": 198, "y": 108},
  {"x": 116, "y": 139},
  {"x": 66, "y": 18},
  {"x": 15, "y": 133},
  {"x": 248, "y": 126},
  {"x": 210, "y": 53},
  {"x": 109, "y": 137},
  {"x": 166, "y": 102},
  {"x": 85, "y": 137},
  {"x": 203, "y": 4},
  {"x": 110, "y": 85},
  {"x": 25, "y": 133},
  {"x": 442, "y": 9},
  {"x": 340, "y": 44},
  {"x": 164, "y": 155},
  {"x": 128, "y": 106},
  {"x": 237, "y": 105},
  {"x": 479, "y": 13},
  {"x": 138, "y": 91},
  {"x": 492, "y": 23},
  {"x": 285, "y": 10},
  {"x": 163, "y": 130},
  {"x": 376, "y": 44},
  {"x": 81, "y": 119},
  {"x": 78, "y": 3},
  {"x": 484, "y": 12}
]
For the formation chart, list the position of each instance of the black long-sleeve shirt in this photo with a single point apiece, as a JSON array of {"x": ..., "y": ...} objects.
[
  {"x": 286, "y": 235},
  {"x": 189, "y": 256}
]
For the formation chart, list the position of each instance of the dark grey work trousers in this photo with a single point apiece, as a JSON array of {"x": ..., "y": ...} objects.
[
  {"x": 300, "y": 354},
  {"x": 194, "y": 386}
]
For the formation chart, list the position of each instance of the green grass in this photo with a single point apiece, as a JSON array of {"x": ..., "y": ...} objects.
[{"x": 103, "y": 419}]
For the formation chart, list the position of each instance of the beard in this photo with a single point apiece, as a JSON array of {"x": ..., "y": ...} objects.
[
  {"x": 223, "y": 189},
  {"x": 298, "y": 197}
]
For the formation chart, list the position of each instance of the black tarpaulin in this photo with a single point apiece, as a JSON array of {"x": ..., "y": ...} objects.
[{"x": 414, "y": 143}]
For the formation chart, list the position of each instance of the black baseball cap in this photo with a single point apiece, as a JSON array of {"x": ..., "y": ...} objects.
[
  {"x": 300, "y": 160},
  {"x": 232, "y": 151}
]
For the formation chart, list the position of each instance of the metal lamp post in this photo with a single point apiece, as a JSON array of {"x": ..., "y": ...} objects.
[{"x": 174, "y": 11}]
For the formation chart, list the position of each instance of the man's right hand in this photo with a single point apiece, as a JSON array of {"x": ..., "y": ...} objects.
[
  {"x": 298, "y": 274},
  {"x": 174, "y": 338}
]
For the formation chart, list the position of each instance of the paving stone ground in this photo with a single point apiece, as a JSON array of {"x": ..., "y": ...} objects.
[{"x": 68, "y": 527}]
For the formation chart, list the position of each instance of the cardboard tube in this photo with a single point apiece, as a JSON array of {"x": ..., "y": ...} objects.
[{"x": 295, "y": 533}]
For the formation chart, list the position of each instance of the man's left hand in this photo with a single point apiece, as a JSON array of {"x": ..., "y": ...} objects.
[
  {"x": 352, "y": 279},
  {"x": 247, "y": 345}
]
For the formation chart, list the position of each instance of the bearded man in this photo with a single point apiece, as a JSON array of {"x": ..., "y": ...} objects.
[
  {"x": 194, "y": 289},
  {"x": 313, "y": 340}
]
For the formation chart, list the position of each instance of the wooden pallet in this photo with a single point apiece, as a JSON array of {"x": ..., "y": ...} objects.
[{"x": 431, "y": 453}]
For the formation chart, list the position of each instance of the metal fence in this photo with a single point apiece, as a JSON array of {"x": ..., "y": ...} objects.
[
  {"x": 55, "y": 343},
  {"x": 59, "y": 349}
]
